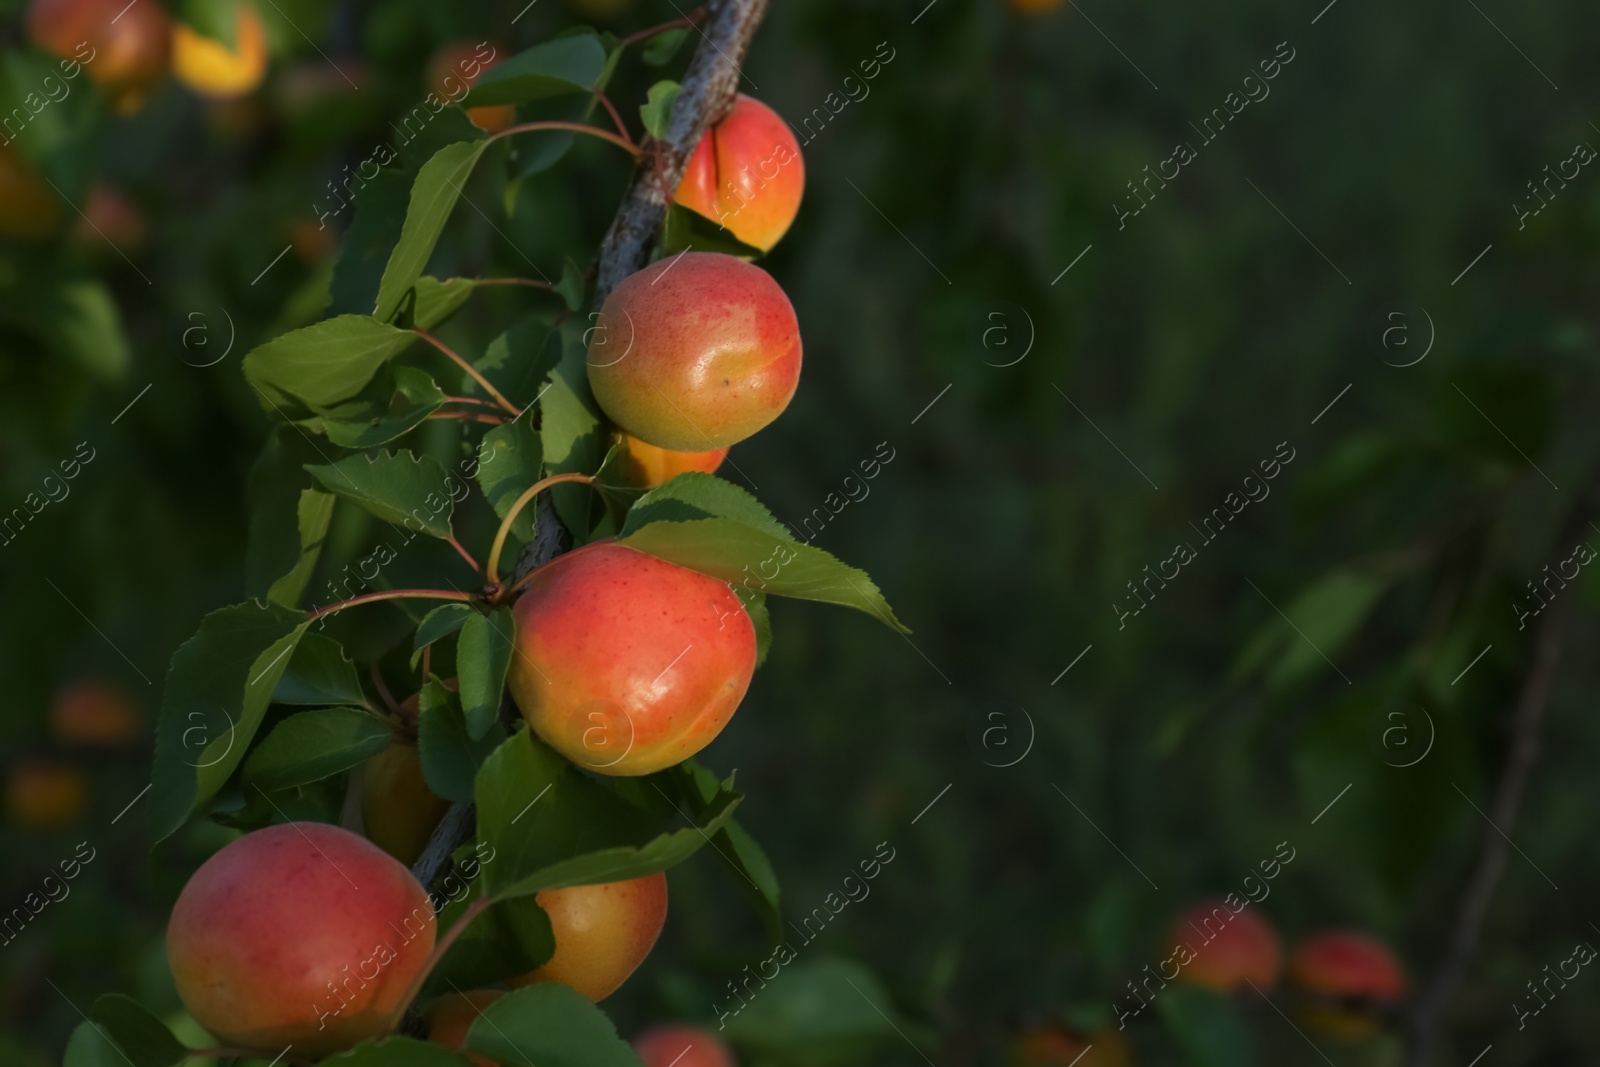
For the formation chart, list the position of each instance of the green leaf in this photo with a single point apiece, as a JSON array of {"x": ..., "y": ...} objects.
[
  {"x": 756, "y": 605},
  {"x": 508, "y": 940},
  {"x": 397, "y": 1052},
  {"x": 552, "y": 826},
  {"x": 283, "y": 542},
  {"x": 483, "y": 655},
  {"x": 513, "y": 464},
  {"x": 392, "y": 406},
  {"x": 313, "y": 513},
  {"x": 564, "y": 65},
  {"x": 314, "y": 745},
  {"x": 142, "y": 1037},
  {"x": 218, "y": 687},
  {"x": 694, "y": 787},
  {"x": 89, "y": 1047},
  {"x": 521, "y": 358},
  {"x": 687, "y": 229},
  {"x": 571, "y": 285},
  {"x": 571, "y": 430},
  {"x": 816, "y": 1006},
  {"x": 1206, "y": 1026},
  {"x": 380, "y": 207},
  {"x": 1321, "y": 619},
  {"x": 548, "y": 1025},
  {"x": 659, "y": 50},
  {"x": 433, "y": 196},
  {"x": 760, "y": 562},
  {"x": 439, "y": 623},
  {"x": 323, "y": 364},
  {"x": 78, "y": 319},
  {"x": 319, "y": 674},
  {"x": 695, "y": 495},
  {"x": 433, "y": 301},
  {"x": 403, "y": 488},
  {"x": 450, "y": 757},
  {"x": 656, "y": 111}
]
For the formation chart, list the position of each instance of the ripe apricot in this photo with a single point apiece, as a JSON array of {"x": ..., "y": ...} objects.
[
  {"x": 44, "y": 795},
  {"x": 1353, "y": 980},
  {"x": 453, "y": 71},
  {"x": 125, "y": 47},
  {"x": 302, "y": 934},
  {"x": 1228, "y": 949},
  {"x": 648, "y": 466},
  {"x": 211, "y": 68},
  {"x": 453, "y": 1015},
  {"x": 626, "y": 663},
  {"x": 110, "y": 217},
  {"x": 695, "y": 352},
  {"x": 747, "y": 174},
  {"x": 1048, "y": 1045},
  {"x": 398, "y": 810},
  {"x": 603, "y": 932},
  {"x": 29, "y": 208},
  {"x": 90, "y": 712},
  {"x": 674, "y": 1045}
]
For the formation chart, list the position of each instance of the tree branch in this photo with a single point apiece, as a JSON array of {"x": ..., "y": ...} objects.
[
  {"x": 709, "y": 86},
  {"x": 1427, "y": 1018}
]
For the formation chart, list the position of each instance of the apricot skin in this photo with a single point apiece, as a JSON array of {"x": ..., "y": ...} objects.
[
  {"x": 747, "y": 174},
  {"x": 648, "y": 466},
  {"x": 625, "y": 663},
  {"x": 452, "y": 1016},
  {"x": 29, "y": 208},
  {"x": 455, "y": 69},
  {"x": 603, "y": 932},
  {"x": 1242, "y": 949},
  {"x": 129, "y": 47},
  {"x": 398, "y": 810},
  {"x": 89, "y": 712},
  {"x": 211, "y": 68},
  {"x": 298, "y": 934},
  {"x": 1054, "y": 1046},
  {"x": 683, "y": 1046},
  {"x": 1346, "y": 964},
  {"x": 695, "y": 352}
]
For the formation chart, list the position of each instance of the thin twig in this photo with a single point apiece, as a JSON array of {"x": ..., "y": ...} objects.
[
  {"x": 390, "y": 594},
  {"x": 695, "y": 16},
  {"x": 463, "y": 553},
  {"x": 530, "y": 282},
  {"x": 624, "y": 143},
  {"x": 469, "y": 368},
  {"x": 616, "y": 118}
]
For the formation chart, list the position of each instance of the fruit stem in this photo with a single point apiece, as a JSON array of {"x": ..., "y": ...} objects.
[
  {"x": 391, "y": 594},
  {"x": 471, "y": 416},
  {"x": 470, "y": 369},
  {"x": 516, "y": 281},
  {"x": 492, "y": 573},
  {"x": 616, "y": 118},
  {"x": 691, "y": 19},
  {"x": 440, "y": 947},
  {"x": 473, "y": 401},
  {"x": 463, "y": 553},
  {"x": 626, "y": 144}
]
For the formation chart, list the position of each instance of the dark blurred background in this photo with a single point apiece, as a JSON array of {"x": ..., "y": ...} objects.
[{"x": 1349, "y": 272}]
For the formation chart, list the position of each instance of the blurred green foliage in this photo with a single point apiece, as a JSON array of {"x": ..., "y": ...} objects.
[{"x": 929, "y": 266}]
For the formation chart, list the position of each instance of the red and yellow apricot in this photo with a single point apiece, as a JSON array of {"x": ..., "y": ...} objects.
[
  {"x": 695, "y": 352},
  {"x": 398, "y": 810},
  {"x": 213, "y": 69},
  {"x": 91, "y": 712},
  {"x": 1352, "y": 980},
  {"x": 1229, "y": 949},
  {"x": 647, "y": 466},
  {"x": 626, "y": 663},
  {"x": 674, "y": 1045},
  {"x": 1047, "y": 1045},
  {"x": 602, "y": 932},
  {"x": 747, "y": 174},
  {"x": 43, "y": 795},
  {"x": 29, "y": 208},
  {"x": 302, "y": 934},
  {"x": 452, "y": 1016},
  {"x": 126, "y": 48},
  {"x": 451, "y": 75}
]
